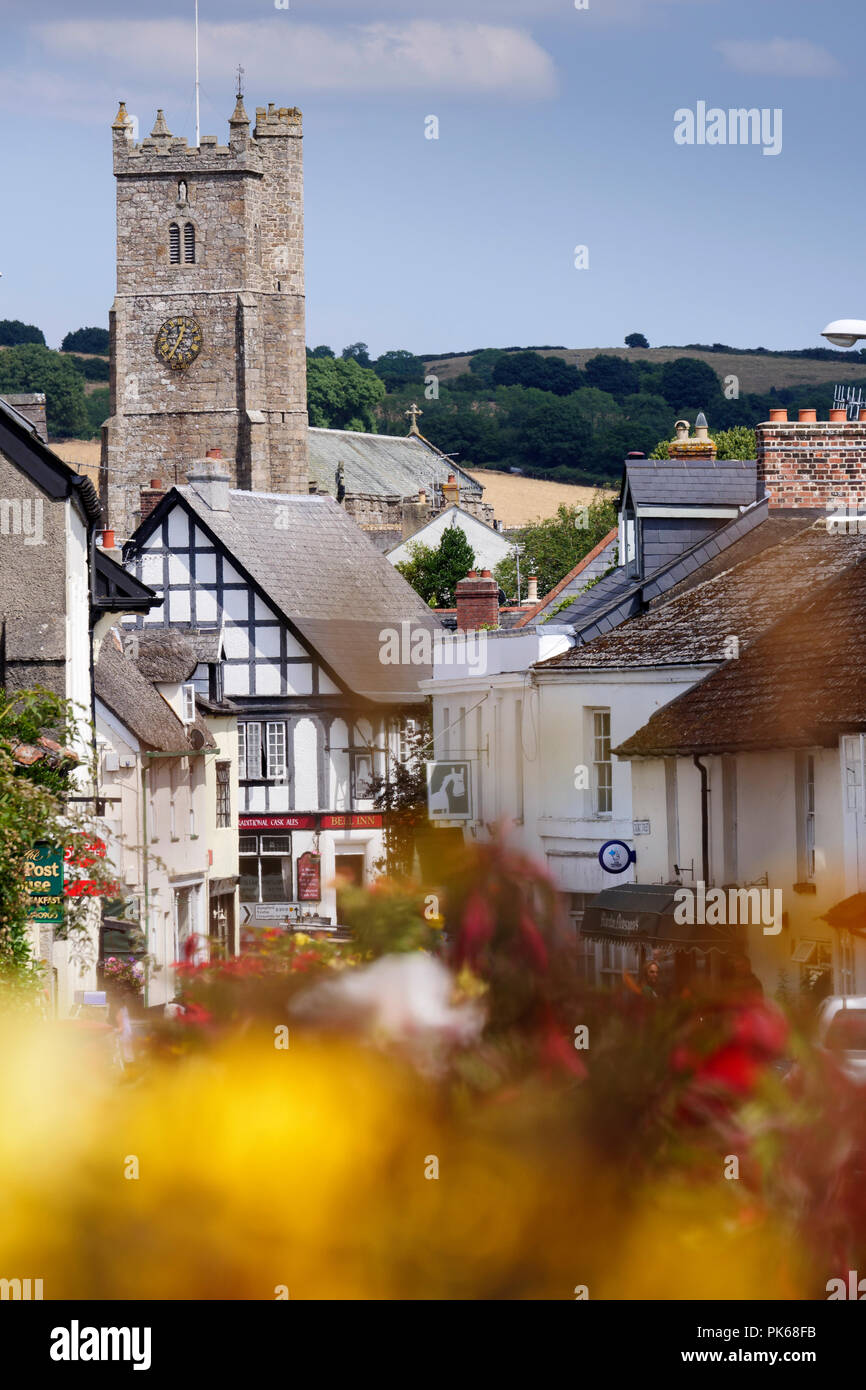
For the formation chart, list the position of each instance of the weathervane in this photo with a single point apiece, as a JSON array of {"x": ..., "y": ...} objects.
[{"x": 240, "y": 82}]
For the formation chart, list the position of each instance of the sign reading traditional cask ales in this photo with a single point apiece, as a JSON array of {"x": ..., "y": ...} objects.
[
  {"x": 246, "y": 821},
  {"x": 310, "y": 878}
]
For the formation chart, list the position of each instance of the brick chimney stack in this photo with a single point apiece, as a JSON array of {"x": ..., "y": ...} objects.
[
  {"x": 151, "y": 497},
  {"x": 810, "y": 463},
  {"x": 477, "y": 601}
]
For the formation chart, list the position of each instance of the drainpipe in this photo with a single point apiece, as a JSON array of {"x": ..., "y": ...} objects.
[
  {"x": 145, "y": 788},
  {"x": 705, "y": 818}
]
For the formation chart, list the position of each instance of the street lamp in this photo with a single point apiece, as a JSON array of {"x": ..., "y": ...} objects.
[{"x": 844, "y": 333}]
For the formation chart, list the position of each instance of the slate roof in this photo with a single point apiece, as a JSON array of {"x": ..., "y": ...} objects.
[
  {"x": 322, "y": 572},
  {"x": 596, "y": 561},
  {"x": 617, "y": 597},
  {"x": 382, "y": 465},
  {"x": 132, "y": 698},
  {"x": 692, "y": 483},
  {"x": 21, "y": 442},
  {"x": 742, "y": 602},
  {"x": 801, "y": 684}
]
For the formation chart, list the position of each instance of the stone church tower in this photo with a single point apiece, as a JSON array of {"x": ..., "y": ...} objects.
[{"x": 208, "y": 343}]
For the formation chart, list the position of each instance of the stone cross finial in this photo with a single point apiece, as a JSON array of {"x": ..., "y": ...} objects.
[{"x": 413, "y": 412}]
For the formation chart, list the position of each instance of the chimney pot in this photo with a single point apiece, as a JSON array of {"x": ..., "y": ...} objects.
[
  {"x": 108, "y": 540},
  {"x": 156, "y": 484},
  {"x": 863, "y": 412},
  {"x": 214, "y": 454},
  {"x": 422, "y": 496},
  {"x": 838, "y": 416},
  {"x": 807, "y": 416},
  {"x": 779, "y": 417},
  {"x": 532, "y": 591}
]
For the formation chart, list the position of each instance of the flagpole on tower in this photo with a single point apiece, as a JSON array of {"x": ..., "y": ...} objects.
[{"x": 198, "y": 120}]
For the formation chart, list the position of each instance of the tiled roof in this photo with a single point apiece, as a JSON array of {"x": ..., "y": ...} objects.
[
  {"x": 742, "y": 602},
  {"x": 131, "y": 697},
  {"x": 595, "y": 562},
  {"x": 801, "y": 684},
  {"x": 326, "y": 577},
  {"x": 382, "y": 465},
  {"x": 692, "y": 483}
]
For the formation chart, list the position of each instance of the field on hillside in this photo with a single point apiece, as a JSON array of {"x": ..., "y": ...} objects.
[
  {"x": 83, "y": 454},
  {"x": 517, "y": 501},
  {"x": 756, "y": 372}
]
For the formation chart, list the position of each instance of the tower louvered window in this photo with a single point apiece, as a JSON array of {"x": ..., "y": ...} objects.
[
  {"x": 189, "y": 243},
  {"x": 174, "y": 244}
]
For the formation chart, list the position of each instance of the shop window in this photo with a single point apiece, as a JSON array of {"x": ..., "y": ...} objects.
[{"x": 265, "y": 863}]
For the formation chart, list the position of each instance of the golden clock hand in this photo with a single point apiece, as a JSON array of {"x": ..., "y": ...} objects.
[{"x": 176, "y": 346}]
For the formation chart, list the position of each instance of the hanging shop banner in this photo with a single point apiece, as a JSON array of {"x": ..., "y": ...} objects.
[
  {"x": 43, "y": 882},
  {"x": 310, "y": 878}
]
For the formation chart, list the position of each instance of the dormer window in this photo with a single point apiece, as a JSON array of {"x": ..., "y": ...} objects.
[
  {"x": 174, "y": 244},
  {"x": 189, "y": 244}
]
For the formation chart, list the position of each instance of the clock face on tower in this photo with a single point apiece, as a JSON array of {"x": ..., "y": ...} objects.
[{"x": 178, "y": 342}]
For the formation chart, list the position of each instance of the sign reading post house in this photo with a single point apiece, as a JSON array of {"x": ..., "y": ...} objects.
[
  {"x": 43, "y": 884},
  {"x": 449, "y": 791}
]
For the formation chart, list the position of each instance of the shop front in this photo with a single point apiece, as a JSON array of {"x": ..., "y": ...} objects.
[
  {"x": 295, "y": 868},
  {"x": 640, "y": 919}
]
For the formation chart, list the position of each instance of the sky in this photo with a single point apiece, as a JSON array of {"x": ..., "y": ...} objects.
[{"x": 557, "y": 129}]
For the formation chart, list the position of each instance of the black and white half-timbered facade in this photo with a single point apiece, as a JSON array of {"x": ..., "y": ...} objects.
[{"x": 305, "y": 605}]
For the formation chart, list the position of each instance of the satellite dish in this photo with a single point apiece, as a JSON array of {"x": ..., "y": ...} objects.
[{"x": 196, "y": 738}]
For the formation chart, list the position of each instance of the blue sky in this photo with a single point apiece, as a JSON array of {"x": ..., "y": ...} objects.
[{"x": 556, "y": 129}]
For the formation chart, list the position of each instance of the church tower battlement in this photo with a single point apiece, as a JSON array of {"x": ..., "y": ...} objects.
[{"x": 208, "y": 342}]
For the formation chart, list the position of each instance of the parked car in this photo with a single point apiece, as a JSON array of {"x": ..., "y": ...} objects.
[{"x": 842, "y": 1032}]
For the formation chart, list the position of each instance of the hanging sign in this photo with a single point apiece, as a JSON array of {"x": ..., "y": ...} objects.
[
  {"x": 43, "y": 883},
  {"x": 310, "y": 878},
  {"x": 615, "y": 856}
]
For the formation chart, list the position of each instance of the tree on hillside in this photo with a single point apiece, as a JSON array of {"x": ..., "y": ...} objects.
[
  {"x": 531, "y": 369},
  {"x": 435, "y": 572},
  {"x": 636, "y": 340},
  {"x": 341, "y": 395},
  {"x": 95, "y": 340},
  {"x": 688, "y": 383},
  {"x": 550, "y": 431},
  {"x": 98, "y": 405},
  {"x": 357, "y": 352},
  {"x": 34, "y": 368},
  {"x": 737, "y": 443},
  {"x": 322, "y": 351},
  {"x": 554, "y": 546},
  {"x": 13, "y": 332},
  {"x": 398, "y": 367},
  {"x": 615, "y": 375}
]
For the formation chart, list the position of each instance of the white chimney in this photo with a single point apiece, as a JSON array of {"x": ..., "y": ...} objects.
[{"x": 209, "y": 477}]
